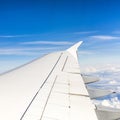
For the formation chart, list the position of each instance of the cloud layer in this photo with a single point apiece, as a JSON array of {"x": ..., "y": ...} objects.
[
  {"x": 110, "y": 79},
  {"x": 27, "y": 51},
  {"x": 112, "y": 102},
  {"x": 104, "y": 37},
  {"x": 47, "y": 43}
]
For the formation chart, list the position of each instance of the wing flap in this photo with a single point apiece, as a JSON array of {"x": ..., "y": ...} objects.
[
  {"x": 89, "y": 79},
  {"x": 95, "y": 93},
  {"x": 107, "y": 113}
]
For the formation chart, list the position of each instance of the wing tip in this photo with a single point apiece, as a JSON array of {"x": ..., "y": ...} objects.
[
  {"x": 73, "y": 49},
  {"x": 75, "y": 46}
]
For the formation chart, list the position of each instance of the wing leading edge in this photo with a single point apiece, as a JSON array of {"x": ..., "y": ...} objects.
[{"x": 49, "y": 88}]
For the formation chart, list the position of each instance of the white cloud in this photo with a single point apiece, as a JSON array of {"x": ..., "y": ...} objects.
[
  {"x": 85, "y": 52},
  {"x": 20, "y": 53},
  {"x": 109, "y": 79},
  {"x": 107, "y": 69},
  {"x": 85, "y": 32},
  {"x": 89, "y": 69},
  {"x": 7, "y": 36},
  {"x": 112, "y": 102},
  {"x": 48, "y": 42},
  {"x": 14, "y": 36},
  {"x": 34, "y": 50},
  {"x": 109, "y": 76},
  {"x": 104, "y": 37},
  {"x": 113, "y": 82},
  {"x": 26, "y": 51}
]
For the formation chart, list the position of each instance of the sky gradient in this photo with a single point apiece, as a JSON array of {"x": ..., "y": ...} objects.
[{"x": 32, "y": 28}]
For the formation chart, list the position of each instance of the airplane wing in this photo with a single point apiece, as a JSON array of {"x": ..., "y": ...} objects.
[{"x": 48, "y": 88}]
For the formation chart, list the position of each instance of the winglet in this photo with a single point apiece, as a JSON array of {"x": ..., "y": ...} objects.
[{"x": 74, "y": 48}]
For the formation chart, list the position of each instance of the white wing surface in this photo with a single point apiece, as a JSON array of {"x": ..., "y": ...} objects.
[{"x": 49, "y": 88}]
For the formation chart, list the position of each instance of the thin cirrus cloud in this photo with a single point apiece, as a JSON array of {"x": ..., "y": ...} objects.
[
  {"x": 47, "y": 43},
  {"x": 104, "y": 37},
  {"x": 34, "y": 50},
  {"x": 85, "y": 52},
  {"x": 85, "y": 32},
  {"x": 26, "y": 51},
  {"x": 116, "y": 32},
  {"x": 12, "y": 36},
  {"x": 7, "y": 36},
  {"x": 15, "y": 36}
]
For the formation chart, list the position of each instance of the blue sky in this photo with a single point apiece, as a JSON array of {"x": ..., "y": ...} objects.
[{"x": 32, "y": 28}]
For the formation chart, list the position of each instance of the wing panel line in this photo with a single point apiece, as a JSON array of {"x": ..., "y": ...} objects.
[
  {"x": 48, "y": 97},
  {"x": 41, "y": 87},
  {"x": 64, "y": 63}
]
